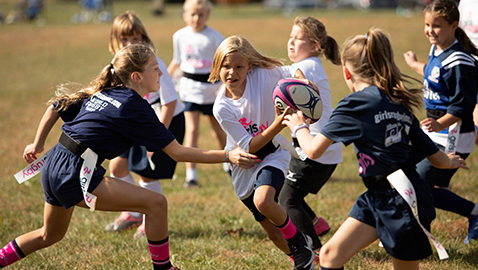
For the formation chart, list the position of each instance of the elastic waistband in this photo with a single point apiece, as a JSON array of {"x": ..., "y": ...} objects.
[
  {"x": 197, "y": 77},
  {"x": 435, "y": 114},
  {"x": 76, "y": 147},
  {"x": 267, "y": 149}
]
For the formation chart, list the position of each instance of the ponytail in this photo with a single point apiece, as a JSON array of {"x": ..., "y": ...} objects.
[
  {"x": 466, "y": 42},
  {"x": 370, "y": 57},
  {"x": 317, "y": 33}
]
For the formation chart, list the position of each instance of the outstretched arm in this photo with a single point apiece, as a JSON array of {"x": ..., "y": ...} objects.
[
  {"x": 441, "y": 160},
  {"x": 236, "y": 156},
  {"x": 46, "y": 124},
  {"x": 313, "y": 147}
]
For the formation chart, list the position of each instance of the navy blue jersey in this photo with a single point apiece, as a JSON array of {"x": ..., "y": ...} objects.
[
  {"x": 111, "y": 121},
  {"x": 451, "y": 84},
  {"x": 385, "y": 134}
]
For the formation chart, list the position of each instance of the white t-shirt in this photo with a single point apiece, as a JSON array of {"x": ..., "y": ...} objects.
[
  {"x": 166, "y": 92},
  {"x": 469, "y": 18},
  {"x": 314, "y": 71},
  {"x": 195, "y": 52},
  {"x": 248, "y": 116}
]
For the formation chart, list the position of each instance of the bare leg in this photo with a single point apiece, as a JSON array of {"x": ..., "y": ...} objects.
[
  {"x": 349, "y": 239},
  {"x": 192, "y": 133},
  {"x": 218, "y": 133},
  {"x": 135, "y": 199},
  {"x": 56, "y": 220},
  {"x": 405, "y": 265},
  {"x": 264, "y": 201},
  {"x": 119, "y": 167},
  {"x": 275, "y": 235}
]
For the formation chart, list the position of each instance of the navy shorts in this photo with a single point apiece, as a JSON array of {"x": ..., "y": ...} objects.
[
  {"x": 308, "y": 175},
  {"x": 206, "y": 109},
  {"x": 267, "y": 176},
  {"x": 60, "y": 178},
  {"x": 165, "y": 166},
  {"x": 397, "y": 229}
]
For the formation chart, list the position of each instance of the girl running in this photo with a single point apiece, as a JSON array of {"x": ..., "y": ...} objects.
[
  {"x": 308, "y": 40},
  {"x": 103, "y": 121},
  {"x": 450, "y": 88},
  {"x": 245, "y": 110},
  {"x": 127, "y": 29},
  {"x": 377, "y": 118}
]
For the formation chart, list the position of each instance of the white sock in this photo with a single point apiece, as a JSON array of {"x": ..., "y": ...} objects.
[
  {"x": 191, "y": 174},
  {"x": 154, "y": 186},
  {"x": 474, "y": 212},
  {"x": 127, "y": 178}
]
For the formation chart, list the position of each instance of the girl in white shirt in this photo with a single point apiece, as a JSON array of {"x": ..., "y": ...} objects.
[{"x": 245, "y": 111}]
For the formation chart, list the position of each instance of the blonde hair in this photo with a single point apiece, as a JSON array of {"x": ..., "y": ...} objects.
[
  {"x": 126, "y": 24},
  {"x": 317, "y": 33},
  {"x": 241, "y": 46},
  {"x": 199, "y": 4},
  {"x": 132, "y": 58},
  {"x": 370, "y": 57},
  {"x": 448, "y": 10}
]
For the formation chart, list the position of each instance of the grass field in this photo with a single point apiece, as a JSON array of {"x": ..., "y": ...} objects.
[{"x": 35, "y": 59}]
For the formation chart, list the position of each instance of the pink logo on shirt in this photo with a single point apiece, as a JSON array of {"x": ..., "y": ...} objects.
[{"x": 364, "y": 161}]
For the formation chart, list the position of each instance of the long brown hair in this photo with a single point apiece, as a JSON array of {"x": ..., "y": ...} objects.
[
  {"x": 240, "y": 45},
  {"x": 317, "y": 33},
  {"x": 132, "y": 58},
  {"x": 371, "y": 58},
  {"x": 448, "y": 10}
]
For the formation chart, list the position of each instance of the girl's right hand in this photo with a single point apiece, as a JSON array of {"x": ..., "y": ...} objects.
[
  {"x": 31, "y": 151},
  {"x": 241, "y": 158}
]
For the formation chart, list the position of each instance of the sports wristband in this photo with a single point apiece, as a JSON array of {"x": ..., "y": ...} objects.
[
  {"x": 227, "y": 156},
  {"x": 301, "y": 126}
]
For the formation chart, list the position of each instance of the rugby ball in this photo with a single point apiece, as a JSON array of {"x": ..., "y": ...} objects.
[{"x": 298, "y": 96}]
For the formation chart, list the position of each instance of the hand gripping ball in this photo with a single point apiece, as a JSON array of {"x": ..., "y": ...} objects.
[{"x": 298, "y": 96}]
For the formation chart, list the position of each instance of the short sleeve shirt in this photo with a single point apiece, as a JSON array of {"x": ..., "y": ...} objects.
[{"x": 384, "y": 133}]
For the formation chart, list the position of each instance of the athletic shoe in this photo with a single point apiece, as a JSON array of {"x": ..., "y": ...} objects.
[
  {"x": 472, "y": 229},
  {"x": 191, "y": 184},
  {"x": 322, "y": 227},
  {"x": 301, "y": 247},
  {"x": 123, "y": 222},
  {"x": 140, "y": 232}
]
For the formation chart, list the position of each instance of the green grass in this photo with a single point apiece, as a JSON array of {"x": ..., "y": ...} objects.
[{"x": 35, "y": 59}]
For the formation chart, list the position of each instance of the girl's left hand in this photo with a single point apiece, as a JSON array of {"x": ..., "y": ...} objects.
[
  {"x": 432, "y": 125},
  {"x": 31, "y": 151},
  {"x": 241, "y": 158},
  {"x": 457, "y": 162}
]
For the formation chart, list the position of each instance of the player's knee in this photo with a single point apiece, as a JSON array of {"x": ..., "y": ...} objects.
[
  {"x": 262, "y": 203},
  {"x": 49, "y": 238},
  {"x": 158, "y": 203},
  {"x": 326, "y": 254}
]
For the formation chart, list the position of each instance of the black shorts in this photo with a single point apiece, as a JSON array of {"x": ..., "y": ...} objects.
[
  {"x": 206, "y": 109},
  {"x": 397, "y": 228},
  {"x": 165, "y": 166},
  {"x": 267, "y": 176},
  {"x": 308, "y": 175}
]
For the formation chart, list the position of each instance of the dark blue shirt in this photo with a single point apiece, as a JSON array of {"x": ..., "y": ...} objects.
[
  {"x": 111, "y": 121},
  {"x": 386, "y": 135}
]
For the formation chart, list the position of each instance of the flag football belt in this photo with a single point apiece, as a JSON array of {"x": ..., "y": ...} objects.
[
  {"x": 435, "y": 114},
  {"x": 197, "y": 77},
  {"x": 267, "y": 149},
  {"x": 404, "y": 187},
  {"x": 90, "y": 162}
]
